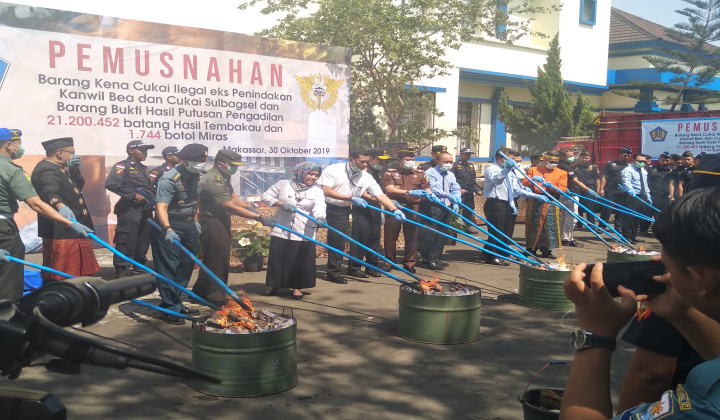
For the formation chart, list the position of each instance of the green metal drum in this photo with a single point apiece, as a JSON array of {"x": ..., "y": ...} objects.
[
  {"x": 249, "y": 365},
  {"x": 613, "y": 256},
  {"x": 439, "y": 319},
  {"x": 543, "y": 289}
]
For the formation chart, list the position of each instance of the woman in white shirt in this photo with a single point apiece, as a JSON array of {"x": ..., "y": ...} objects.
[{"x": 291, "y": 262}]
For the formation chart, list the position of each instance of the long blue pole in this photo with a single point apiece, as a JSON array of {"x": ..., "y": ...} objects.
[
  {"x": 66, "y": 275},
  {"x": 617, "y": 207},
  {"x": 382, "y": 257},
  {"x": 212, "y": 275},
  {"x": 363, "y": 263},
  {"x": 624, "y": 188},
  {"x": 510, "y": 250},
  {"x": 559, "y": 204},
  {"x": 150, "y": 271},
  {"x": 450, "y": 236}
]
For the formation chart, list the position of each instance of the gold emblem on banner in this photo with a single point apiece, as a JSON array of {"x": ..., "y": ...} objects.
[{"x": 313, "y": 89}]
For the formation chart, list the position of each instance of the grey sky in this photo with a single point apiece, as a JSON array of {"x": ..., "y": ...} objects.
[{"x": 658, "y": 11}]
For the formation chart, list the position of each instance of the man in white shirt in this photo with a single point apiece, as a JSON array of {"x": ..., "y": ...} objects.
[{"x": 343, "y": 185}]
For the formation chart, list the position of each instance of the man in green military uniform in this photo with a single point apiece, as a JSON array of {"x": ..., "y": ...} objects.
[
  {"x": 466, "y": 176},
  {"x": 217, "y": 201},
  {"x": 15, "y": 185}
]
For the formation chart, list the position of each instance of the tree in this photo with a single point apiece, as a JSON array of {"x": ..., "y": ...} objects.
[
  {"x": 394, "y": 44},
  {"x": 693, "y": 62},
  {"x": 552, "y": 113}
]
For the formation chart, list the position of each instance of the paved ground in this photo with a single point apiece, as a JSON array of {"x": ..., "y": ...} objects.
[{"x": 351, "y": 363}]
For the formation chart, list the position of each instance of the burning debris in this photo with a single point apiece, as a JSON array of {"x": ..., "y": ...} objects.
[
  {"x": 625, "y": 250},
  {"x": 234, "y": 319},
  {"x": 437, "y": 288},
  {"x": 560, "y": 265}
]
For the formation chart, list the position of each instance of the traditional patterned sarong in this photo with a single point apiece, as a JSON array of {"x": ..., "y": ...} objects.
[
  {"x": 71, "y": 256},
  {"x": 542, "y": 225}
]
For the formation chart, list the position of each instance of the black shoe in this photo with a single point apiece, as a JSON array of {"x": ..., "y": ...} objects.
[
  {"x": 372, "y": 273},
  {"x": 120, "y": 272},
  {"x": 336, "y": 278},
  {"x": 410, "y": 269},
  {"x": 635, "y": 240},
  {"x": 443, "y": 264},
  {"x": 387, "y": 268},
  {"x": 435, "y": 265},
  {"x": 532, "y": 251},
  {"x": 471, "y": 230},
  {"x": 496, "y": 261},
  {"x": 356, "y": 273},
  {"x": 297, "y": 297},
  {"x": 172, "y": 319},
  {"x": 187, "y": 311},
  {"x": 546, "y": 253},
  {"x": 271, "y": 291},
  {"x": 572, "y": 243}
]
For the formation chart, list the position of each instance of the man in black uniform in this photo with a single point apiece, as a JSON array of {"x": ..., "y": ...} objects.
[
  {"x": 466, "y": 176},
  {"x": 610, "y": 185},
  {"x": 587, "y": 173},
  {"x": 63, "y": 249},
  {"x": 435, "y": 153},
  {"x": 217, "y": 201},
  {"x": 132, "y": 233},
  {"x": 659, "y": 189},
  {"x": 680, "y": 176},
  {"x": 367, "y": 222},
  {"x": 171, "y": 160}
]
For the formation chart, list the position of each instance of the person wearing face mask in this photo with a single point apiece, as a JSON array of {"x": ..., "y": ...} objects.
[
  {"x": 176, "y": 212},
  {"x": 587, "y": 174},
  {"x": 291, "y": 262},
  {"x": 59, "y": 183},
  {"x": 217, "y": 202},
  {"x": 658, "y": 184},
  {"x": 15, "y": 185},
  {"x": 445, "y": 187},
  {"x": 680, "y": 176},
  {"x": 344, "y": 185},
  {"x": 171, "y": 160},
  {"x": 132, "y": 232},
  {"x": 435, "y": 154},
  {"x": 466, "y": 176},
  {"x": 404, "y": 183},
  {"x": 542, "y": 223},
  {"x": 367, "y": 222},
  {"x": 634, "y": 178},
  {"x": 610, "y": 180},
  {"x": 567, "y": 222}
]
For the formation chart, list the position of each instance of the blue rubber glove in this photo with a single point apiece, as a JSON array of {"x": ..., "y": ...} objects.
[
  {"x": 593, "y": 193},
  {"x": 198, "y": 227},
  {"x": 75, "y": 161},
  {"x": 287, "y": 207},
  {"x": 538, "y": 178},
  {"x": 632, "y": 193},
  {"x": 171, "y": 236},
  {"x": 528, "y": 190},
  {"x": 417, "y": 193},
  {"x": 510, "y": 164},
  {"x": 455, "y": 207},
  {"x": 399, "y": 215},
  {"x": 541, "y": 198},
  {"x": 80, "y": 229},
  {"x": 66, "y": 213},
  {"x": 4, "y": 256},
  {"x": 268, "y": 221},
  {"x": 430, "y": 196},
  {"x": 547, "y": 184},
  {"x": 455, "y": 198},
  {"x": 649, "y": 200},
  {"x": 357, "y": 201},
  {"x": 396, "y": 203}
]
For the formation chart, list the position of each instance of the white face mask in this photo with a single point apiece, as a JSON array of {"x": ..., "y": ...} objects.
[
  {"x": 195, "y": 167},
  {"x": 409, "y": 164},
  {"x": 551, "y": 165},
  {"x": 446, "y": 167}
]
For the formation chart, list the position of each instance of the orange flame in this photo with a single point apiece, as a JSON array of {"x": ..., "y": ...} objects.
[
  {"x": 561, "y": 261},
  {"x": 428, "y": 285},
  {"x": 233, "y": 315},
  {"x": 615, "y": 248},
  {"x": 642, "y": 248}
]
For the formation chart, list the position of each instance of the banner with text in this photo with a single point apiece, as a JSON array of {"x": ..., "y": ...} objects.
[{"x": 677, "y": 136}]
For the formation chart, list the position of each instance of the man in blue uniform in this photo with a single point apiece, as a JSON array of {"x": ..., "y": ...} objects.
[{"x": 132, "y": 233}]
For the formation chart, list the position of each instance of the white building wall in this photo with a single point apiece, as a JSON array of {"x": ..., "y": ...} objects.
[{"x": 584, "y": 48}]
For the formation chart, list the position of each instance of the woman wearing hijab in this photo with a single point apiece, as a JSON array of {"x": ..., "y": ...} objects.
[{"x": 291, "y": 263}]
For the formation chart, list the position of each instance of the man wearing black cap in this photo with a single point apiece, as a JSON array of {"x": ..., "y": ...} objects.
[
  {"x": 659, "y": 188},
  {"x": 171, "y": 160},
  {"x": 434, "y": 155},
  {"x": 176, "y": 212},
  {"x": 406, "y": 186},
  {"x": 367, "y": 222},
  {"x": 58, "y": 182},
  {"x": 587, "y": 174},
  {"x": 132, "y": 233},
  {"x": 680, "y": 176},
  {"x": 217, "y": 201},
  {"x": 466, "y": 176},
  {"x": 15, "y": 185},
  {"x": 610, "y": 181}
]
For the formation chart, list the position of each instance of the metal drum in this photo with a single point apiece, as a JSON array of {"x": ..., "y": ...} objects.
[
  {"x": 249, "y": 365},
  {"x": 543, "y": 289},
  {"x": 613, "y": 256},
  {"x": 439, "y": 319}
]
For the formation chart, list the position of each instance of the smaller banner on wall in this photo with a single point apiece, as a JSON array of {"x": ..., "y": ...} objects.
[{"x": 676, "y": 136}]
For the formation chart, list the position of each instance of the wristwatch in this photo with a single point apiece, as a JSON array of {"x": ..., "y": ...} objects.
[{"x": 581, "y": 339}]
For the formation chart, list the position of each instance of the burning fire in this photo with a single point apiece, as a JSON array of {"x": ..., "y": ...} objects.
[
  {"x": 561, "y": 262},
  {"x": 233, "y": 315},
  {"x": 642, "y": 248},
  {"x": 615, "y": 248},
  {"x": 428, "y": 285}
]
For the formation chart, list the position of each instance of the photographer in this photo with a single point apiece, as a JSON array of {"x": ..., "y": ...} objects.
[{"x": 689, "y": 231}]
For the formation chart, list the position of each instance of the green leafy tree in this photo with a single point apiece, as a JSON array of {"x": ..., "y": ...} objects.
[
  {"x": 693, "y": 62},
  {"x": 394, "y": 45},
  {"x": 552, "y": 113}
]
